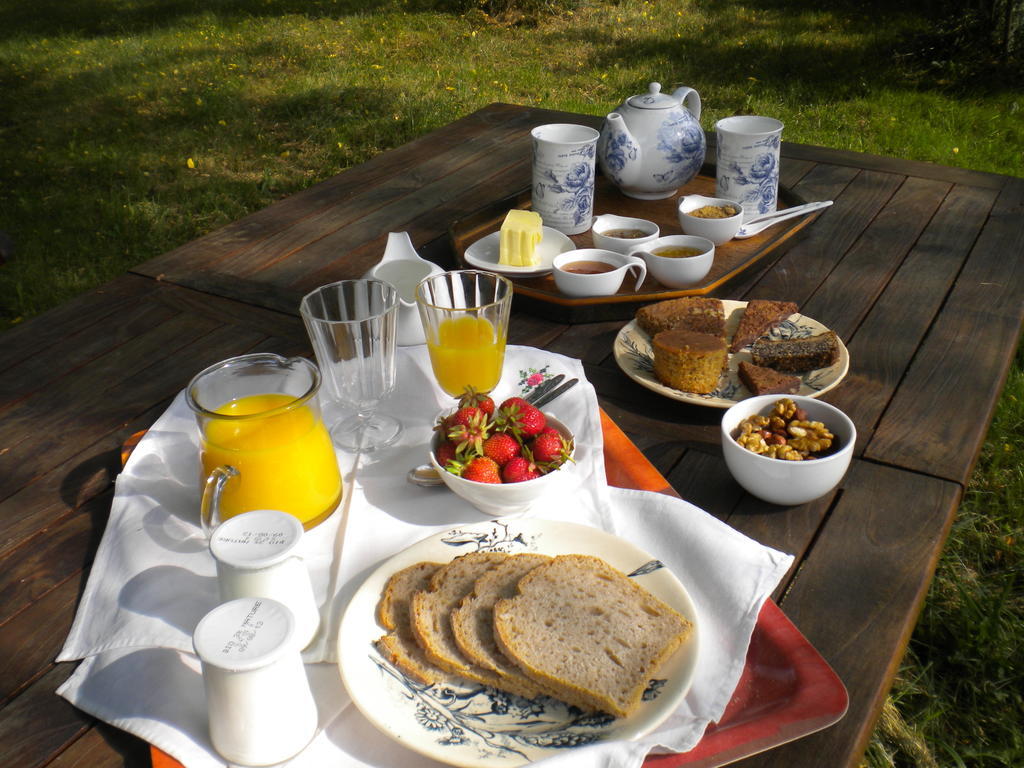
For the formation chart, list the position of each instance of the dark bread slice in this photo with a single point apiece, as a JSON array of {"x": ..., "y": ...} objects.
[
  {"x": 766, "y": 381},
  {"x": 796, "y": 355},
  {"x": 759, "y": 317},
  {"x": 588, "y": 632}
]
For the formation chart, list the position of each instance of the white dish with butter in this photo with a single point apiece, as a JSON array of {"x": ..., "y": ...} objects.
[{"x": 483, "y": 254}]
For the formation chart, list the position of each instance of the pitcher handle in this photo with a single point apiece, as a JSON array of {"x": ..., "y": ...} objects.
[
  {"x": 209, "y": 508},
  {"x": 690, "y": 99}
]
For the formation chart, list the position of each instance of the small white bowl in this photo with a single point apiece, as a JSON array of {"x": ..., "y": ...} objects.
[
  {"x": 609, "y": 222},
  {"x": 718, "y": 231},
  {"x": 778, "y": 481},
  {"x": 595, "y": 283},
  {"x": 677, "y": 271},
  {"x": 507, "y": 498}
]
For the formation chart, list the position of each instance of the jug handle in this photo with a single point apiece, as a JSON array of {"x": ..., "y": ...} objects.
[
  {"x": 209, "y": 508},
  {"x": 685, "y": 94}
]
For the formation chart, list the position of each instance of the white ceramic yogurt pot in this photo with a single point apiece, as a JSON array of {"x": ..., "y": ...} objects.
[
  {"x": 260, "y": 707},
  {"x": 403, "y": 268},
  {"x": 256, "y": 554}
]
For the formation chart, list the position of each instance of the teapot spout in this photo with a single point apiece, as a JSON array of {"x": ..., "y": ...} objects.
[{"x": 619, "y": 154}]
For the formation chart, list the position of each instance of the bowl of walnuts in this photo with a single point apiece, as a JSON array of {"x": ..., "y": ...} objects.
[
  {"x": 788, "y": 450},
  {"x": 502, "y": 458}
]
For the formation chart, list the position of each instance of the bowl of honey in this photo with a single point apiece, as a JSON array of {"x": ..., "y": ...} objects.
[
  {"x": 595, "y": 271},
  {"x": 622, "y": 233},
  {"x": 676, "y": 261}
]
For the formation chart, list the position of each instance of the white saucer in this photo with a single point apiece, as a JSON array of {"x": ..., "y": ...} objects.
[{"x": 483, "y": 254}]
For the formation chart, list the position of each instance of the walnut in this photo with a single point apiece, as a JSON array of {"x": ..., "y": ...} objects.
[{"x": 784, "y": 434}]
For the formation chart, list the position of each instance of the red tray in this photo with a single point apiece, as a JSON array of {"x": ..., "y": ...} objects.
[{"x": 786, "y": 691}]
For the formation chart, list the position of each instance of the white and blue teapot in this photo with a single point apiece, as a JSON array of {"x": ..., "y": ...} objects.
[{"x": 653, "y": 143}]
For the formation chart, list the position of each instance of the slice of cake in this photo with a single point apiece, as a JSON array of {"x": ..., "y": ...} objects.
[
  {"x": 796, "y": 355},
  {"x": 765, "y": 381},
  {"x": 520, "y": 235},
  {"x": 688, "y": 360},
  {"x": 690, "y": 313},
  {"x": 759, "y": 317}
]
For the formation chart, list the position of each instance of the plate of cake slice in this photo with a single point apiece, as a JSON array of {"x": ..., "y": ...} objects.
[
  {"x": 716, "y": 352},
  {"x": 450, "y": 646}
]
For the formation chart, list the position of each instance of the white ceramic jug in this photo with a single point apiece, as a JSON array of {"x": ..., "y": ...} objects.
[
  {"x": 403, "y": 268},
  {"x": 653, "y": 143}
]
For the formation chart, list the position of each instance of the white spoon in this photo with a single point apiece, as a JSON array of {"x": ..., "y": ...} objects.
[{"x": 759, "y": 223}]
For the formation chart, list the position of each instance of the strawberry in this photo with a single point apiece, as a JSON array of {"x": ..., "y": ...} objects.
[
  {"x": 501, "y": 447},
  {"x": 520, "y": 418},
  {"x": 482, "y": 470},
  {"x": 519, "y": 469},
  {"x": 548, "y": 448},
  {"x": 445, "y": 453},
  {"x": 468, "y": 428},
  {"x": 477, "y": 400}
]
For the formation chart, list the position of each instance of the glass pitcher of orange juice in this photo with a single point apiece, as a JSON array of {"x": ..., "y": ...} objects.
[{"x": 263, "y": 444}]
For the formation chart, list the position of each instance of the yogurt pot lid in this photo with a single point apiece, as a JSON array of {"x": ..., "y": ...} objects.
[
  {"x": 256, "y": 539},
  {"x": 245, "y": 634}
]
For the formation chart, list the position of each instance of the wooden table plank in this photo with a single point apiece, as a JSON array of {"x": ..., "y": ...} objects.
[
  {"x": 965, "y": 357},
  {"x": 859, "y": 609},
  {"x": 909, "y": 304}
]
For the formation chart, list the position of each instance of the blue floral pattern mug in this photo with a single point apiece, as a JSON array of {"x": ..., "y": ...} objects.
[
  {"x": 563, "y": 175},
  {"x": 747, "y": 162}
]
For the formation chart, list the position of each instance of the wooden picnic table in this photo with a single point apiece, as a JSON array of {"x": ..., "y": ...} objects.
[{"x": 917, "y": 267}]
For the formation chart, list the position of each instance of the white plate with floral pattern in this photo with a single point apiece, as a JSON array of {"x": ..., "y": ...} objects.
[
  {"x": 467, "y": 724},
  {"x": 483, "y": 253},
  {"x": 635, "y": 357}
]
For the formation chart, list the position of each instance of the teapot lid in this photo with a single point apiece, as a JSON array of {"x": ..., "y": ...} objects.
[{"x": 653, "y": 99}]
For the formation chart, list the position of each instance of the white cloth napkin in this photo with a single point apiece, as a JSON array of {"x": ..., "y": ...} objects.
[{"x": 153, "y": 578}]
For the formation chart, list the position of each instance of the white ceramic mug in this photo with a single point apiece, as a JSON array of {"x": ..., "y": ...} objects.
[
  {"x": 256, "y": 554},
  {"x": 563, "y": 175},
  {"x": 747, "y": 162},
  {"x": 259, "y": 704}
]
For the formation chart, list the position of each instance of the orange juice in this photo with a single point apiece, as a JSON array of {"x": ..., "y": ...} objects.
[
  {"x": 467, "y": 352},
  {"x": 286, "y": 460}
]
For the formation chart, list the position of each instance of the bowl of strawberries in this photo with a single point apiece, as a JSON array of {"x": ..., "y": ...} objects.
[{"x": 501, "y": 457}]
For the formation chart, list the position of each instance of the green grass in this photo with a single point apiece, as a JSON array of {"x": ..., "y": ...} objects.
[{"x": 129, "y": 128}]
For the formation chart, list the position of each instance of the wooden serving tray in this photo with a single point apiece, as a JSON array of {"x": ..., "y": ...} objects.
[{"x": 540, "y": 296}]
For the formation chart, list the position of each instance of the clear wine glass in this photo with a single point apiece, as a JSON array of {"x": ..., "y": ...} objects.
[{"x": 353, "y": 325}]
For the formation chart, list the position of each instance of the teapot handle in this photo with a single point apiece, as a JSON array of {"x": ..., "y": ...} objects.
[{"x": 689, "y": 99}]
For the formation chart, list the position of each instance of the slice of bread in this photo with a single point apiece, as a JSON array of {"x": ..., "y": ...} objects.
[
  {"x": 399, "y": 646},
  {"x": 430, "y": 615},
  {"x": 588, "y": 632},
  {"x": 473, "y": 620}
]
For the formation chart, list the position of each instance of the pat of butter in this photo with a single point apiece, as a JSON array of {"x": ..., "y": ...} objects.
[{"x": 520, "y": 234}]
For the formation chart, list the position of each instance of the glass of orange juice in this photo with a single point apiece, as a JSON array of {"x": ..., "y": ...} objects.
[
  {"x": 465, "y": 320},
  {"x": 263, "y": 443}
]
